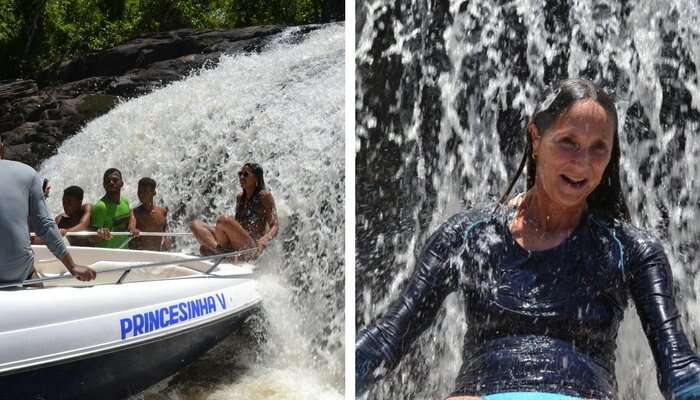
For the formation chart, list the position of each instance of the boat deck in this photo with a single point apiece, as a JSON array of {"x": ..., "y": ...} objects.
[{"x": 111, "y": 265}]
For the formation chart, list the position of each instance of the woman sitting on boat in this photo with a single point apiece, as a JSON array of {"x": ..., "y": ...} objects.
[
  {"x": 255, "y": 222},
  {"x": 546, "y": 277}
]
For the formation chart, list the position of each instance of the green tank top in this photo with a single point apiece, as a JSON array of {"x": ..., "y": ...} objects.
[{"x": 107, "y": 214}]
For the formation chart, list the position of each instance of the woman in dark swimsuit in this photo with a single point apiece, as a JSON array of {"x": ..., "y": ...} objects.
[
  {"x": 254, "y": 224},
  {"x": 546, "y": 277}
]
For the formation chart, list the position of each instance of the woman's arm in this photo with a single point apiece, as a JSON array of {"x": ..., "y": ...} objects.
[
  {"x": 268, "y": 203},
  {"x": 434, "y": 278},
  {"x": 651, "y": 285}
]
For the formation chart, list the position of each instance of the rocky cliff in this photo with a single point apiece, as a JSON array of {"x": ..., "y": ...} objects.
[{"x": 36, "y": 115}]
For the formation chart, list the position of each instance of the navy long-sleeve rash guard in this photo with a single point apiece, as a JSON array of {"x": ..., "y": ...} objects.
[{"x": 541, "y": 321}]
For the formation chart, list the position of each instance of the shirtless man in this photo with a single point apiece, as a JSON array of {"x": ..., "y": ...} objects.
[
  {"x": 150, "y": 218},
  {"x": 76, "y": 216}
]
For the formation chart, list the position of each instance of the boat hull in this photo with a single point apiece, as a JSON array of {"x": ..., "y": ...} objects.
[
  {"x": 108, "y": 340},
  {"x": 119, "y": 373}
]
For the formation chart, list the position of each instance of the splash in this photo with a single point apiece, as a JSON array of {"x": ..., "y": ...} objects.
[{"x": 282, "y": 108}]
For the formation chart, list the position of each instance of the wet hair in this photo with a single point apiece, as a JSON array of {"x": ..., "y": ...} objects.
[
  {"x": 149, "y": 182},
  {"x": 607, "y": 199},
  {"x": 110, "y": 171},
  {"x": 75, "y": 192},
  {"x": 259, "y": 179}
]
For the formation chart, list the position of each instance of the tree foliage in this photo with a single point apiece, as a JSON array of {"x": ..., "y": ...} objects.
[{"x": 37, "y": 33}]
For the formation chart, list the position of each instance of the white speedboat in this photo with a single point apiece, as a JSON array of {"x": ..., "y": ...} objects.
[{"x": 128, "y": 329}]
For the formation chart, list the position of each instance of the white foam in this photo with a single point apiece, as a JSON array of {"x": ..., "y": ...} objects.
[{"x": 282, "y": 108}]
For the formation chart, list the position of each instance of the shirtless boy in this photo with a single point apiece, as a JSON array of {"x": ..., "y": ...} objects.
[
  {"x": 76, "y": 216},
  {"x": 150, "y": 218}
]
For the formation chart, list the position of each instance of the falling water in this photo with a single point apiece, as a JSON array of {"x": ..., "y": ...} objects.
[
  {"x": 444, "y": 90},
  {"x": 282, "y": 108}
]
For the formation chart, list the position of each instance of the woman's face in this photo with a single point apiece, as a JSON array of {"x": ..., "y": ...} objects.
[
  {"x": 246, "y": 178},
  {"x": 572, "y": 155}
]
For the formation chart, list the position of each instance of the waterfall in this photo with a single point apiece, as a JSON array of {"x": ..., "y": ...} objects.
[
  {"x": 444, "y": 91},
  {"x": 284, "y": 109}
]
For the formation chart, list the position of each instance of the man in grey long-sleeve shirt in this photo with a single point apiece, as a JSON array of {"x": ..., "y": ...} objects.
[{"x": 22, "y": 200}]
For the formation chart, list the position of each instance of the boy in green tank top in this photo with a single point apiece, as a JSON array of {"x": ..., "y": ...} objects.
[{"x": 112, "y": 212}]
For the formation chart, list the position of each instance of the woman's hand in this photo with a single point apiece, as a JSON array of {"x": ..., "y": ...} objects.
[
  {"x": 262, "y": 244},
  {"x": 365, "y": 364}
]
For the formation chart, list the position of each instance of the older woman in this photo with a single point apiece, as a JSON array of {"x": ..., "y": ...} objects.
[
  {"x": 546, "y": 276},
  {"x": 254, "y": 224}
]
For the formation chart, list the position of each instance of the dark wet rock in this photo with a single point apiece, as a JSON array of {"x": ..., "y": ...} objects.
[
  {"x": 36, "y": 115},
  {"x": 97, "y": 104},
  {"x": 143, "y": 51},
  {"x": 17, "y": 88}
]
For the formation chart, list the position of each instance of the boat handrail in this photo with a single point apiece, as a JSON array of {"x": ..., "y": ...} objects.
[
  {"x": 131, "y": 237},
  {"x": 127, "y": 268},
  {"x": 158, "y": 234},
  {"x": 145, "y": 234}
]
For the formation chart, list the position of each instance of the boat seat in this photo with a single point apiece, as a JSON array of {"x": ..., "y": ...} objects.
[{"x": 51, "y": 268}]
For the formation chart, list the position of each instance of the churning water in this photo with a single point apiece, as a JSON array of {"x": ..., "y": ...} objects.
[
  {"x": 282, "y": 108},
  {"x": 444, "y": 90}
]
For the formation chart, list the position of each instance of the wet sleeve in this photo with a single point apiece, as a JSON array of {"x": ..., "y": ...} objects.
[
  {"x": 434, "y": 278},
  {"x": 41, "y": 220},
  {"x": 651, "y": 286}
]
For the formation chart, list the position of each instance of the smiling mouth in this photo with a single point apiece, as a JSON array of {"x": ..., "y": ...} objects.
[{"x": 574, "y": 182}]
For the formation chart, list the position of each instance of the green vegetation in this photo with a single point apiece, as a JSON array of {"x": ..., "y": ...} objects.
[{"x": 37, "y": 33}]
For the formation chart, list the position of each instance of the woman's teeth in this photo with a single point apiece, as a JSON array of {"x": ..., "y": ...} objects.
[{"x": 573, "y": 182}]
